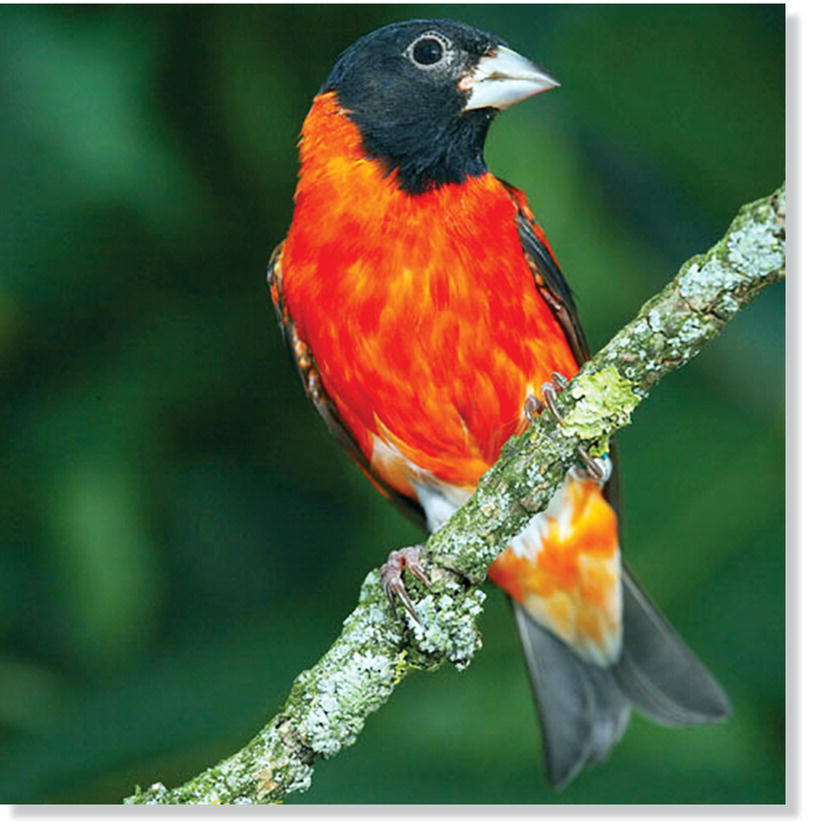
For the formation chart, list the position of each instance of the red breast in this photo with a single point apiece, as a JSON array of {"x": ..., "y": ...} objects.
[{"x": 419, "y": 309}]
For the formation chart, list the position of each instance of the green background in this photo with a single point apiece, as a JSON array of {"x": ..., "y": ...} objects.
[{"x": 180, "y": 536}]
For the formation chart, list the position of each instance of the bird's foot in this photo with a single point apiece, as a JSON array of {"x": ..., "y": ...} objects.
[
  {"x": 535, "y": 406},
  {"x": 596, "y": 469},
  {"x": 407, "y": 558}
]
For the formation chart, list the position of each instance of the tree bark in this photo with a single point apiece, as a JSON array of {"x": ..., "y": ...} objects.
[{"x": 378, "y": 646}]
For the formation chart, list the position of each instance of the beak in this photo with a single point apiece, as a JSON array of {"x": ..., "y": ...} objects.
[{"x": 502, "y": 78}]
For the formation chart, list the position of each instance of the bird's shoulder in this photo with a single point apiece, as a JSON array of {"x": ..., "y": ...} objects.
[{"x": 544, "y": 266}]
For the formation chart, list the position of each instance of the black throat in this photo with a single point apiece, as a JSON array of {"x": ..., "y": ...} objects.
[{"x": 448, "y": 153}]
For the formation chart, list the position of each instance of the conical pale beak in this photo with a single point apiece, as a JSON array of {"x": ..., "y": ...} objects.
[{"x": 504, "y": 78}]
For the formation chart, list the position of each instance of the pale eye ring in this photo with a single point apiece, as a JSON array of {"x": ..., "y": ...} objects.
[{"x": 429, "y": 51}]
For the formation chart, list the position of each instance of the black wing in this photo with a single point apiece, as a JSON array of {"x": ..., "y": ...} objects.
[{"x": 548, "y": 278}]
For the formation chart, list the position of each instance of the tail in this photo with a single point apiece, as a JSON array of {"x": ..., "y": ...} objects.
[{"x": 584, "y": 709}]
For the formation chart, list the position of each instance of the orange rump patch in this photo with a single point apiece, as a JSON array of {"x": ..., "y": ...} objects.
[{"x": 565, "y": 568}]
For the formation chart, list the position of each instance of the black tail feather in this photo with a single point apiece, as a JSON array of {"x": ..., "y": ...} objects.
[
  {"x": 581, "y": 711},
  {"x": 658, "y": 671},
  {"x": 584, "y": 709}
]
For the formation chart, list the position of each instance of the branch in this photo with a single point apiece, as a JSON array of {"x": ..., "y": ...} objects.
[{"x": 377, "y": 648}]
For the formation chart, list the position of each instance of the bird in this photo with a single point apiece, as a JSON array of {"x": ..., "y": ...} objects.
[{"x": 429, "y": 321}]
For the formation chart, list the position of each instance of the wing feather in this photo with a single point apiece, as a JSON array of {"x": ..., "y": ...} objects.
[{"x": 548, "y": 277}]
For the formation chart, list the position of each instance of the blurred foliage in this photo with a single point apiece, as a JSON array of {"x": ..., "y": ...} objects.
[{"x": 180, "y": 536}]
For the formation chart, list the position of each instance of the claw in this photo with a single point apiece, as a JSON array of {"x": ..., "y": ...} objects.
[
  {"x": 596, "y": 468},
  {"x": 533, "y": 407},
  {"x": 559, "y": 381},
  {"x": 392, "y": 576},
  {"x": 549, "y": 393}
]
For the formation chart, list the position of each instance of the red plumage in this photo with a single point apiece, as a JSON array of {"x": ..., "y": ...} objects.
[
  {"x": 429, "y": 330},
  {"x": 424, "y": 306}
]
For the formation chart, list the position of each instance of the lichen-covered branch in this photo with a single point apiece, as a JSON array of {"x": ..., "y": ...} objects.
[{"x": 329, "y": 703}]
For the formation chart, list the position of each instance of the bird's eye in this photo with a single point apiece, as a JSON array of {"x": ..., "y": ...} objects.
[{"x": 428, "y": 50}]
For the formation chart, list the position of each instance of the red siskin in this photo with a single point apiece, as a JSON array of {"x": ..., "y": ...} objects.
[{"x": 424, "y": 308}]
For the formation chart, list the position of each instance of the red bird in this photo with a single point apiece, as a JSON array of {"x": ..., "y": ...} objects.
[{"x": 424, "y": 308}]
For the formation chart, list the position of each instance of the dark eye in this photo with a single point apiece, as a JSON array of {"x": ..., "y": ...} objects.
[
  {"x": 432, "y": 50},
  {"x": 427, "y": 51}
]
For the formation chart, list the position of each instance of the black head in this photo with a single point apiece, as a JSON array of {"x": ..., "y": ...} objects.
[{"x": 424, "y": 92}]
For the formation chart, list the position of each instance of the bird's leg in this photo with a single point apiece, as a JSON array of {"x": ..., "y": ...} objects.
[
  {"x": 407, "y": 558},
  {"x": 597, "y": 469}
]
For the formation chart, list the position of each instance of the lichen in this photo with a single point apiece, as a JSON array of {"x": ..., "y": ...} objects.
[
  {"x": 339, "y": 702},
  {"x": 447, "y": 628},
  {"x": 702, "y": 283},
  {"x": 604, "y": 402},
  {"x": 755, "y": 249}
]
